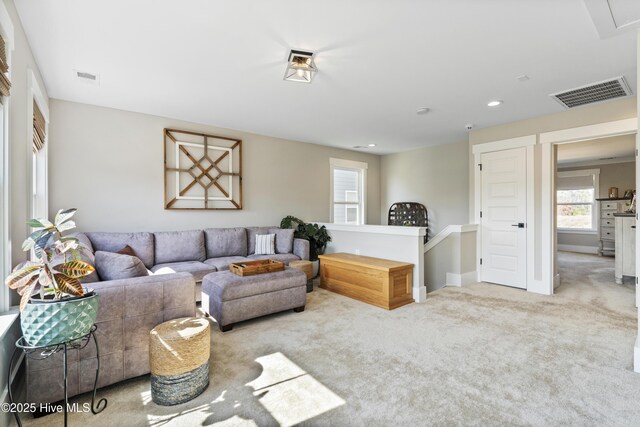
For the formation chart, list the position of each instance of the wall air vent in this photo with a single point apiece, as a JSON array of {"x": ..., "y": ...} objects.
[{"x": 595, "y": 92}]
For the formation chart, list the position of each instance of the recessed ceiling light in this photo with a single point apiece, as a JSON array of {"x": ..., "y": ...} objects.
[
  {"x": 372, "y": 145},
  {"x": 494, "y": 103},
  {"x": 423, "y": 110}
]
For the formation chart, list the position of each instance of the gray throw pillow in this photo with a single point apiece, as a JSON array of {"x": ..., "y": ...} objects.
[
  {"x": 284, "y": 239},
  {"x": 112, "y": 266}
]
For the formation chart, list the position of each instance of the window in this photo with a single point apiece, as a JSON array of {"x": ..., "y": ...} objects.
[
  {"x": 576, "y": 196},
  {"x": 39, "y": 150},
  {"x": 348, "y": 190}
]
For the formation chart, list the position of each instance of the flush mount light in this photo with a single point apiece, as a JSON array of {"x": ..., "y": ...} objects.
[
  {"x": 371, "y": 145},
  {"x": 300, "y": 67},
  {"x": 423, "y": 110},
  {"x": 494, "y": 103}
]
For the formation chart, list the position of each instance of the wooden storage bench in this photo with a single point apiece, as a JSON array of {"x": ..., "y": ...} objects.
[{"x": 376, "y": 281}]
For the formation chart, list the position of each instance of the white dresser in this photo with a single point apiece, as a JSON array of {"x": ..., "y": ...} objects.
[
  {"x": 625, "y": 264},
  {"x": 609, "y": 207}
]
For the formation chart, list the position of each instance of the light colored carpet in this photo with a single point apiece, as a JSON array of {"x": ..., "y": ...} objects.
[{"x": 478, "y": 355}]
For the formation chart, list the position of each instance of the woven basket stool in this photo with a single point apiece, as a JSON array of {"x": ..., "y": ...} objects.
[
  {"x": 307, "y": 268},
  {"x": 179, "y": 360}
]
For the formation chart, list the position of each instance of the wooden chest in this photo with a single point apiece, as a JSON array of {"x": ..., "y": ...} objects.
[{"x": 376, "y": 281}]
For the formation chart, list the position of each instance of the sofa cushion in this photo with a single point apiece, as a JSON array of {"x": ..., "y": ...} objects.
[
  {"x": 225, "y": 242},
  {"x": 222, "y": 263},
  {"x": 251, "y": 237},
  {"x": 197, "y": 269},
  {"x": 86, "y": 255},
  {"x": 177, "y": 246},
  {"x": 113, "y": 266},
  {"x": 141, "y": 243},
  {"x": 284, "y": 239},
  {"x": 276, "y": 257}
]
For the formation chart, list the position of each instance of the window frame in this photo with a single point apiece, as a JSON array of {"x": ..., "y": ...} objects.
[
  {"x": 38, "y": 162},
  {"x": 595, "y": 212},
  {"x": 6, "y": 29},
  {"x": 361, "y": 204}
]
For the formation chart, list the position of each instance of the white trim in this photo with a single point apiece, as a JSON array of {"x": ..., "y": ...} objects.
[
  {"x": 378, "y": 229},
  {"x": 636, "y": 355},
  {"x": 35, "y": 93},
  {"x": 579, "y": 249},
  {"x": 585, "y": 133},
  {"x": 349, "y": 164},
  {"x": 548, "y": 165},
  {"x": 462, "y": 279},
  {"x": 529, "y": 142},
  {"x": 361, "y": 168},
  {"x": 581, "y": 172},
  {"x": 597, "y": 162},
  {"x": 505, "y": 144},
  {"x": 450, "y": 229},
  {"x": 7, "y": 31}
]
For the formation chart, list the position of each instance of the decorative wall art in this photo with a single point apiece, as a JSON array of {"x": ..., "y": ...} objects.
[{"x": 202, "y": 172}]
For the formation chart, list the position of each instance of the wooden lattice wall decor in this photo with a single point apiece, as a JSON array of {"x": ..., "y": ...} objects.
[{"x": 202, "y": 171}]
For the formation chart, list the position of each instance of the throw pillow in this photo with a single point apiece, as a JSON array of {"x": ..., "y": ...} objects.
[
  {"x": 265, "y": 244},
  {"x": 127, "y": 250},
  {"x": 112, "y": 266},
  {"x": 284, "y": 239}
]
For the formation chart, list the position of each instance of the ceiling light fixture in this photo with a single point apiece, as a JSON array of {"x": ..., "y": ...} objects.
[
  {"x": 423, "y": 110},
  {"x": 494, "y": 103},
  {"x": 300, "y": 67},
  {"x": 372, "y": 145}
]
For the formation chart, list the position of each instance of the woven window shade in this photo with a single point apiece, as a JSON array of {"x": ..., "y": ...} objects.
[
  {"x": 5, "y": 84},
  {"x": 39, "y": 133}
]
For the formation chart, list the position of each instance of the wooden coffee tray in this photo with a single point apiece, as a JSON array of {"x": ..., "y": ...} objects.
[{"x": 250, "y": 268}]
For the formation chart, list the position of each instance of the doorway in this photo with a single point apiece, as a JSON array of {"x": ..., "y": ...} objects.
[{"x": 594, "y": 187}]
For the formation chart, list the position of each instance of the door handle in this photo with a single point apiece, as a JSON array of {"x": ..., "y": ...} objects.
[{"x": 519, "y": 225}]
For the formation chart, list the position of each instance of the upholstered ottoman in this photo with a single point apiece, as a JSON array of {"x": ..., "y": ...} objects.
[
  {"x": 230, "y": 298},
  {"x": 179, "y": 359}
]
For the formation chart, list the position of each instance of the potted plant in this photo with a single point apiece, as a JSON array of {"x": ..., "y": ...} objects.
[
  {"x": 55, "y": 307},
  {"x": 318, "y": 237}
]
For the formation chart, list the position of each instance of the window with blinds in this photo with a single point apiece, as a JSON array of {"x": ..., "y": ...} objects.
[
  {"x": 39, "y": 128},
  {"x": 576, "y": 200},
  {"x": 5, "y": 84}
]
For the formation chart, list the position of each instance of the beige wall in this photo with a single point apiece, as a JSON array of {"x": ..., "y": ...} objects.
[
  {"x": 109, "y": 164},
  {"x": 437, "y": 177},
  {"x": 621, "y": 175},
  {"x": 19, "y": 141},
  {"x": 609, "y": 111}
]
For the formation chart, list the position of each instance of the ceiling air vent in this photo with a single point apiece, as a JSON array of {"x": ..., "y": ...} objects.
[
  {"x": 596, "y": 92},
  {"x": 86, "y": 77}
]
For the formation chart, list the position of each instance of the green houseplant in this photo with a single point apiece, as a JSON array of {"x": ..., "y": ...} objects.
[
  {"x": 318, "y": 236},
  {"x": 55, "y": 307}
]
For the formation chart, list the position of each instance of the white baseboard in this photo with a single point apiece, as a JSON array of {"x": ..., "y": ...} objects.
[
  {"x": 454, "y": 279},
  {"x": 578, "y": 248},
  {"x": 556, "y": 281},
  {"x": 636, "y": 356},
  {"x": 420, "y": 294}
]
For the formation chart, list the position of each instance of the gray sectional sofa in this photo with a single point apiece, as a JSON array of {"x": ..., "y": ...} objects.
[{"x": 129, "y": 308}]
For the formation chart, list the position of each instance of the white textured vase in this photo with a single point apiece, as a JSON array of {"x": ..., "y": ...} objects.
[{"x": 316, "y": 268}]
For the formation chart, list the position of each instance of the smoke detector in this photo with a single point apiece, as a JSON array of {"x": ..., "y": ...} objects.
[{"x": 592, "y": 93}]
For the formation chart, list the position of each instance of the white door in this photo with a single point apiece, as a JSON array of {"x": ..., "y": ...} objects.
[{"x": 504, "y": 217}]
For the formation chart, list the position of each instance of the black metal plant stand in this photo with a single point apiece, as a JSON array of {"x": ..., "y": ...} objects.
[{"x": 41, "y": 353}]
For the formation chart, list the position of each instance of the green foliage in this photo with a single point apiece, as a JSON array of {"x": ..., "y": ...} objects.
[
  {"x": 57, "y": 267},
  {"x": 318, "y": 236}
]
